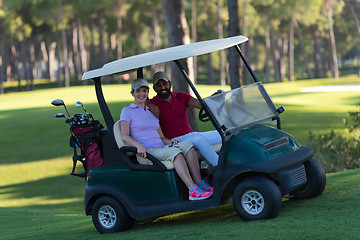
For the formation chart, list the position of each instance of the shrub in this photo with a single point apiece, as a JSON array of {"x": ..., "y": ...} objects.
[{"x": 339, "y": 151}]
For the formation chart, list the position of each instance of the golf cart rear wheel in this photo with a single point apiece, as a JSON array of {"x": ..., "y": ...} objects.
[
  {"x": 257, "y": 198},
  {"x": 316, "y": 181},
  {"x": 109, "y": 216}
]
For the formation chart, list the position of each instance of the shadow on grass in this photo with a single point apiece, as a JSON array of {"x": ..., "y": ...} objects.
[{"x": 57, "y": 193}]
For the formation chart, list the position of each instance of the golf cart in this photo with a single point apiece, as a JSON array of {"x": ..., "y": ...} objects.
[{"x": 259, "y": 164}]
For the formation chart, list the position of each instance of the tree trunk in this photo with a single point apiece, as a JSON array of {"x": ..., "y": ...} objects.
[
  {"x": 30, "y": 63},
  {"x": 194, "y": 35},
  {"x": 245, "y": 46},
  {"x": 178, "y": 34},
  {"x": 210, "y": 80},
  {"x": 14, "y": 65},
  {"x": 92, "y": 57},
  {"x": 357, "y": 22},
  {"x": 111, "y": 46},
  {"x": 268, "y": 50},
  {"x": 45, "y": 56},
  {"x": 64, "y": 46},
  {"x": 221, "y": 52},
  {"x": 119, "y": 28},
  {"x": 52, "y": 59},
  {"x": 301, "y": 43},
  {"x": 317, "y": 50},
  {"x": 82, "y": 49},
  {"x": 283, "y": 49},
  {"x": 333, "y": 55},
  {"x": 76, "y": 51},
  {"x": 276, "y": 56},
  {"x": 100, "y": 26},
  {"x": 291, "y": 50},
  {"x": 24, "y": 74},
  {"x": 233, "y": 56},
  {"x": 2, "y": 66},
  {"x": 156, "y": 34}
]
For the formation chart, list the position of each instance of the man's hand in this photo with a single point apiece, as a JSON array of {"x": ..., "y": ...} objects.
[{"x": 154, "y": 109}]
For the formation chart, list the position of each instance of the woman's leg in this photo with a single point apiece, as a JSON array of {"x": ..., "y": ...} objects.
[
  {"x": 183, "y": 171},
  {"x": 193, "y": 165}
]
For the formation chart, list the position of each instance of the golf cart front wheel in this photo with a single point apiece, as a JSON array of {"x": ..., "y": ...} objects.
[
  {"x": 316, "y": 181},
  {"x": 109, "y": 216},
  {"x": 257, "y": 198}
]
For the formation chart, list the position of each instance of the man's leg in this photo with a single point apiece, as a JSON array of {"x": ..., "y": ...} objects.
[
  {"x": 202, "y": 144},
  {"x": 213, "y": 137}
]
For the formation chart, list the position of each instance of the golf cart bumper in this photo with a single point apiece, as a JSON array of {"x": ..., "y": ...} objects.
[{"x": 287, "y": 171}]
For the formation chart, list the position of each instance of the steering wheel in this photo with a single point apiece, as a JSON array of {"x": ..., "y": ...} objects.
[{"x": 203, "y": 115}]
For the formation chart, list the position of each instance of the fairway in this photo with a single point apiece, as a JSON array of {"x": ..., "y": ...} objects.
[{"x": 40, "y": 200}]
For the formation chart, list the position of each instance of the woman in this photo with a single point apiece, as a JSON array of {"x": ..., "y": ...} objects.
[{"x": 140, "y": 129}]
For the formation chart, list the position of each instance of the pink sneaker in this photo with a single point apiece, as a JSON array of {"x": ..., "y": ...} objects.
[
  {"x": 205, "y": 186},
  {"x": 196, "y": 193}
]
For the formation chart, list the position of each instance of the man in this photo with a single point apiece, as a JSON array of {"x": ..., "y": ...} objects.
[{"x": 170, "y": 108}]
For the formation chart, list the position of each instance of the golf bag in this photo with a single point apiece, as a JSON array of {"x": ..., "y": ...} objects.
[{"x": 87, "y": 138}]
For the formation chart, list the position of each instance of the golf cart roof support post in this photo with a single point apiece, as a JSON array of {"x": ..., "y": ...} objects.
[
  {"x": 203, "y": 104},
  {"x": 246, "y": 63},
  {"x": 140, "y": 73},
  {"x": 102, "y": 103}
]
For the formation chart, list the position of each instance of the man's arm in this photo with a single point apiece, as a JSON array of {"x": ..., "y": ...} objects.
[
  {"x": 194, "y": 103},
  {"x": 154, "y": 109}
]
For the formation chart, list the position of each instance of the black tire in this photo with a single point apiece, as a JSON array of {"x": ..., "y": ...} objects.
[
  {"x": 109, "y": 216},
  {"x": 257, "y": 198},
  {"x": 316, "y": 181}
]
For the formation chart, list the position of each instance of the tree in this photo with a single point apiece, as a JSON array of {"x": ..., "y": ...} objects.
[
  {"x": 219, "y": 25},
  {"x": 64, "y": 45},
  {"x": 233, "y": 57},
  {"x": 178, "y": 33},
  {"x": 353, "y": 6},
  {"x": 333, "y": 55}
]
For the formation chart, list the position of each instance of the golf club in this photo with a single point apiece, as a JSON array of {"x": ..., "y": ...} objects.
[
  {"x": 60, "y": 115},
  {"x": 59, "y": 102},
  {"x": 80, "y": 104}
]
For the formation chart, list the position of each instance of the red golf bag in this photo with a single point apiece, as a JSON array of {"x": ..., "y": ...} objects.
[{"x": 87, "y": 138}]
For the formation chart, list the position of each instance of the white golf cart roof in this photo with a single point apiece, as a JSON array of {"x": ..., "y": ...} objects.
[{"x": 132, "y": 63}]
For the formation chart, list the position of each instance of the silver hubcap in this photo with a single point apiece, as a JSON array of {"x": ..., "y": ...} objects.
[
  {"x": 252, "y": 202},
  {"x": 107, "y": 216}
]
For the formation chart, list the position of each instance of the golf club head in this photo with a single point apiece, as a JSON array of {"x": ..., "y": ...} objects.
[
  {"x": 58, "y": 102},
  {"x": 60, "y": 115},
  {"x": 80, "y": 104}
]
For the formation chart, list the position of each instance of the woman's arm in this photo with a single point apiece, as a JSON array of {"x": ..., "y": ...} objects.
[
  {"x": 166, "y": 140},
  {"x": 125, "y": 135}
]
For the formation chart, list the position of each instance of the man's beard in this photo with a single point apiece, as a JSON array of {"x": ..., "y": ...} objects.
[{"x": 164, "y": 93}]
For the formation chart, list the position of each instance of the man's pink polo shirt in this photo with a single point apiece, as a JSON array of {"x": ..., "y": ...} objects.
[
  {"x": 173, "y": 117},
  {"x": 143, "y": 125}
]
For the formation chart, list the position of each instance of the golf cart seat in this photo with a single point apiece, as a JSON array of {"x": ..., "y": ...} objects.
[{"x": 120, "y": 143}]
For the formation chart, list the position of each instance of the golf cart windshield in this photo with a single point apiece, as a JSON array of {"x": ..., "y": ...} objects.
[{"x": 242, "y": 107}]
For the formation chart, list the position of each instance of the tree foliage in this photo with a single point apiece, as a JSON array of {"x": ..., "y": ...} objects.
[
  {"x": 340, "y": 151},
  {"x": 288, "y": 39}
]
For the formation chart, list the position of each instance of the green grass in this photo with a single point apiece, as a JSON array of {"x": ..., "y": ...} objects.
[{"x": 40, "y": 200}]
